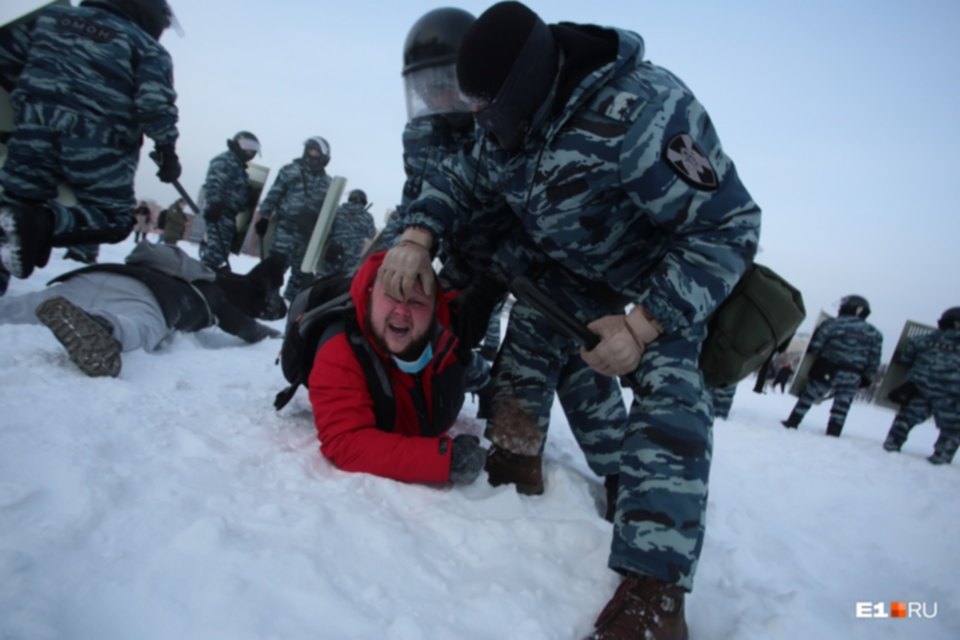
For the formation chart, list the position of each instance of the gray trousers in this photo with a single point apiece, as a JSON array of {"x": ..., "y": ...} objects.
[{"x": 128, "y": 304}]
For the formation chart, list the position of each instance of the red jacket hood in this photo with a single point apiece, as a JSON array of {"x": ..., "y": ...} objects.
[{"x": 363, "y": 283}]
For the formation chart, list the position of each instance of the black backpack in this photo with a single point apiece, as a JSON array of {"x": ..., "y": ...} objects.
[{"x": 319, "y": 312}]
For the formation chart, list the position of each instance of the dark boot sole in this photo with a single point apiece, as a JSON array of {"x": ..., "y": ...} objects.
[{"x": 89, "y": 345}]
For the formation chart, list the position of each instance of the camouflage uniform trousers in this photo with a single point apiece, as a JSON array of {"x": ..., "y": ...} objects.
[
  {"x": 50, "y": 147},
  {"x": 946, "y": 415},
  {"x": 220, "y": 234},
  {"x": 661, "y": 450},
  {"x": 722, "y": 398},
  {"x": 844, "y": 386},
  {"x": 294, "y": 249}
]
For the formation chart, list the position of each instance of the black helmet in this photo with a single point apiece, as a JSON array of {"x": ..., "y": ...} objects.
[
  {"x": 434, "y": 39},
  {"x": 357, "y": 197},
  {"x": 950, "y": 319},
  {"x": 854, "y": 305},
  {"x": 153, "y": 16},
  {"x": 320, "y": 144},
  {"x": 245, "y": 145}
]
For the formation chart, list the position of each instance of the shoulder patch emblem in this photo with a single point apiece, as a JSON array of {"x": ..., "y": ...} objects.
[{"x": 690, "y": 163}]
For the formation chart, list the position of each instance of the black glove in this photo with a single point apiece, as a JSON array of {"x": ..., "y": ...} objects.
[
  {"x": 473, "y": 308},
  {"x": 261, "y": 226},
  {"x": 466, "y": 459},
  {"x": 213, "y": 212},
  {"x": 903, "y": 393},
  {"x": 166, "y": 158},
  {"x": 333, "y": 254},
  {"x": 263, "y": 331},
  {"x": 865, "y": 381}
]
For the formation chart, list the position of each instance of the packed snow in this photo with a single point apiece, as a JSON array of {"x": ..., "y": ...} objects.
[{"x": 174, "y": 502}]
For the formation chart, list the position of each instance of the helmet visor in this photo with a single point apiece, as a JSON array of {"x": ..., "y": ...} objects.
[{"x": 434, "y": 91}]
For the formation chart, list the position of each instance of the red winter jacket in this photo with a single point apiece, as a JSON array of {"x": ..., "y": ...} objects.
[{"x": 412, "y": 449}]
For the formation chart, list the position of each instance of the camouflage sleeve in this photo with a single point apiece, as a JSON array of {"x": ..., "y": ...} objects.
[
  {"x": 873, "y": 361},
  {"x": 909, "y": 353},
  {"x": 217, "y": 182},
  {"x": 269, "y": 205},
  {"x": 821, "y": 336},
  {"x": 155, "y": 97},
  {"x": 673, "y": 168},
  {"x": 369, "y": 227},
  {"x": 14, "y": 47},
  {"x": 449, "y": 195}
]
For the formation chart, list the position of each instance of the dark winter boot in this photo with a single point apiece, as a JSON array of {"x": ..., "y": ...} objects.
[
  {"x": 27, "y": 238},
  {"x": 612, "y": 485},
  {"x": 643, "y": 608},
  {"x": 945, "y": 448},
  {"x": 834, "y": 429},
  {"x": 793, "y": 421},
  {"x": 88, "y": 339},
  {"x": 526, "y": 472},
  {"x": 891, "y": 444}
]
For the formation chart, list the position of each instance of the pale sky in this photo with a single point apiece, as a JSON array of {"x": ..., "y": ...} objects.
[{"x": 841, "y": 116}]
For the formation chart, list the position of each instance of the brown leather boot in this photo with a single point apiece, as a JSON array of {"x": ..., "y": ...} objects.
[
  {"x": 526, "y": 472},
  {"x": 643, "y": 608}
]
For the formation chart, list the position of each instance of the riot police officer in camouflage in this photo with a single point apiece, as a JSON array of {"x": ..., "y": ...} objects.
[
  {"x": 616, "y": 174},
  {"x": 847, "y": 350},
  {"x": 87, "y": 83},
  {"x": 295, "y": 199},
  {"x": 225, "y": 196},
  {"x": 932, "y": 387}
]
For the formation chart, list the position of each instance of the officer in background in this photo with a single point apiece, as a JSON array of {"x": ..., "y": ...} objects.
[
  {"x": 295, "y": 199},
  {"x": 847, "y": 350},
  {"x": 87, "y": 83},
  {"x": 225, "y": 196},
  {"x": 352, "y": 231},
  {"x": 932, "y": 387},
  {"x": 615, "y": 172}
]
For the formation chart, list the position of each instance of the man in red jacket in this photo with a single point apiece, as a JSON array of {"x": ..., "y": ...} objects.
[{"x": 417, "y": 372}]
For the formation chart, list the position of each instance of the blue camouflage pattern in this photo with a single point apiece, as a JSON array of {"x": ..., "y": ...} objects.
[
  {"x": 599, "y": 189},
  {"x": 352, "y": 228},
  {"x": 80, "y": 116},
  {"x": 224, "y": 192},
  {"x": 722, "y": 399},
  {"x": 854, "y": 345},
  {"x": 295, "y": 200},
  {"x": 934, "y": 361}
]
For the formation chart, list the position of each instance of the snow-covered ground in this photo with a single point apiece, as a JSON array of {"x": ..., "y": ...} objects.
[{"x": 174, "y": 502}]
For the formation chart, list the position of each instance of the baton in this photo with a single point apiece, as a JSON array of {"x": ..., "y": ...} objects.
[
  {"x": 155, "y": 156},
  {"x": 525, "y": 290}
]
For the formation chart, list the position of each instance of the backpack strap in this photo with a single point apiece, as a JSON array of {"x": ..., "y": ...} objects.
[{"x": 378, "y": 382}]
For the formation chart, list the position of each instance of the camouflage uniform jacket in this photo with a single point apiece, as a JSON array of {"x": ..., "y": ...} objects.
[
  {"x": 850, "y": 342},
  {"x": 594, "y": 190},
  {"x": 89, "y": 64},
  {"x": 226, "y": 184},
  {"x": 352, "y": 226},
  {"x": 296, "y": 195},
  {"x": 934, "y": 361}
]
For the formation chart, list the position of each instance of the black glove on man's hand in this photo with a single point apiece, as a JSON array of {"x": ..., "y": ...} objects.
[
  {"x": 466, "y": 459},
  {"x": 333, "y": 254},
  {"x": 474, "y": 306},
  {"x": 213, "y": 212},
  {"x": 166, "y": 158},
  {"x": 260, "y": 226},
  {"x": 865, "y": 381}
]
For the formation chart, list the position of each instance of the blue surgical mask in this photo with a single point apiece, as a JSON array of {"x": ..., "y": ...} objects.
[{"x": 418, "y": 365}]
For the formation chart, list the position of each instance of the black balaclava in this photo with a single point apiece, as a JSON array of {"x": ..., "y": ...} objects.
[{"x": 508, "y": 60}]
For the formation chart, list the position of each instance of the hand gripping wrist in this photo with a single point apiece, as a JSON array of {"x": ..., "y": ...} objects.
[{"x": 642, "y": 326}]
